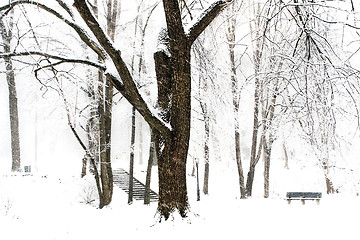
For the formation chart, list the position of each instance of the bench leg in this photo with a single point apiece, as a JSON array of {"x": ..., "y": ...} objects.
[
  {"x": 303, "y": 201},
  {"x": 289, "y": 201},
  {"x": 318, "y": 201}
]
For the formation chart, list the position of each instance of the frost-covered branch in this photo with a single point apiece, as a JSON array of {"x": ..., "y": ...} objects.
[
  {"x": 56, "y": 57},
  {"x": 128, "y": 87},
  {"x": 206, "y": 18},
  {"x": 79, "y": 30}
]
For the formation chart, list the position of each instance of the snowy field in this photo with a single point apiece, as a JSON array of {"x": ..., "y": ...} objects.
[{"x": 47, "y": 208}]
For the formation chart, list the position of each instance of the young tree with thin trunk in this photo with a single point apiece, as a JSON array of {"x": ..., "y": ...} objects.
[
  {"x": 204, "y": 60},
  {"x": 235, "y": 87},
  {"x": 7, "y": 36},
  {"x": 257, "y": 28}
]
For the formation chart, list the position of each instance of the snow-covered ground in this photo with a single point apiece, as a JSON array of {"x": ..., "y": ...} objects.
[{"x": 46, "y": 208}]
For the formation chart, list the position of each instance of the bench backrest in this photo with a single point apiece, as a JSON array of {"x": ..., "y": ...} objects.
[{"x": 303, "y": 195}]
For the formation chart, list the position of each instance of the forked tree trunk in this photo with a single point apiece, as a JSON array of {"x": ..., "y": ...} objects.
[
  {"x": 173, "y": 75},
  {"x": 250, "y": 180}
]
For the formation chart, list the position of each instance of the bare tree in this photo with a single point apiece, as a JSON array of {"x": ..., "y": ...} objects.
[
  {"x": 203, "y": 60},
  {"x": 235, "y": 84},
  {"x": 174, "y": 83},
  {"x": 7, "y": 36}
]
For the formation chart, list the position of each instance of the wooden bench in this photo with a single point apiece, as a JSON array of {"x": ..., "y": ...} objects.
[{"x": 303, "y": 196}]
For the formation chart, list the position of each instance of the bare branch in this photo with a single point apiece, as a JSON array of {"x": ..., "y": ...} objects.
[
  {"x": 337, "y": 22},
  {"x": 79, "y": 30},
  {"x": 56, "y": 57},
  {"x": 66, "y": 7},
  {"x": 206, "y": 18},
  {"x": 128, "y": 87}
]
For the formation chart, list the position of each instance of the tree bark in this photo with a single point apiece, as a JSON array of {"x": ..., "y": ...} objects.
[
  {"x": 14, "y": 116},
  {"x": 174, "y": 72},
  {"x": 152, "y": 157},
  {"x": 254, "y": 153},
  {"x": 172, "y": 160},
  {"x": 267, "y": 155},
  {"x": 329, "y": 185},
  {"x": 206, "y": 152},
  {"x": 286, "y": 156},
  {"x": 6, "y": 36},
  {"x": 236, "y": 98},
  {"x": 132, "y": 153},
  {"x": 104, "y": 99}
]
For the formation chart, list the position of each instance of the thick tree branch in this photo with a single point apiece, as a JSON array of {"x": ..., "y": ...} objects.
[
  {"x": 128, "y": 89},
  {"x": 173, "y": 19},
  {"x": 206, "y": 18},
  {"x": 93, "y": 24},
  {"x": 66, "y": 8}
]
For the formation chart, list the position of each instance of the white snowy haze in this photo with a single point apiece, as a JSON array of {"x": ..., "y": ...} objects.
[{"x": 53, "y": 202}]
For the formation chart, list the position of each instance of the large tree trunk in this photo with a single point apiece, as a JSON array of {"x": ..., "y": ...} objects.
[
  {"x": 172, "y": 183},
  {"x": 105, "y": 178}
]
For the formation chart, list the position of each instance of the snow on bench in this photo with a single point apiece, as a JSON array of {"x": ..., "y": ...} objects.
[{"x": 303, "y": 196}]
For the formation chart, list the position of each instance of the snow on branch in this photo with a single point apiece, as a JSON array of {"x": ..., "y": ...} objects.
[
  {"x": 56, "y": 57},
  {"x": 84, "y": 36},
  {"x": 206, "y": 18},
  {"x": 127, "y": 87},
  {"x": 93, "y": 24}
]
